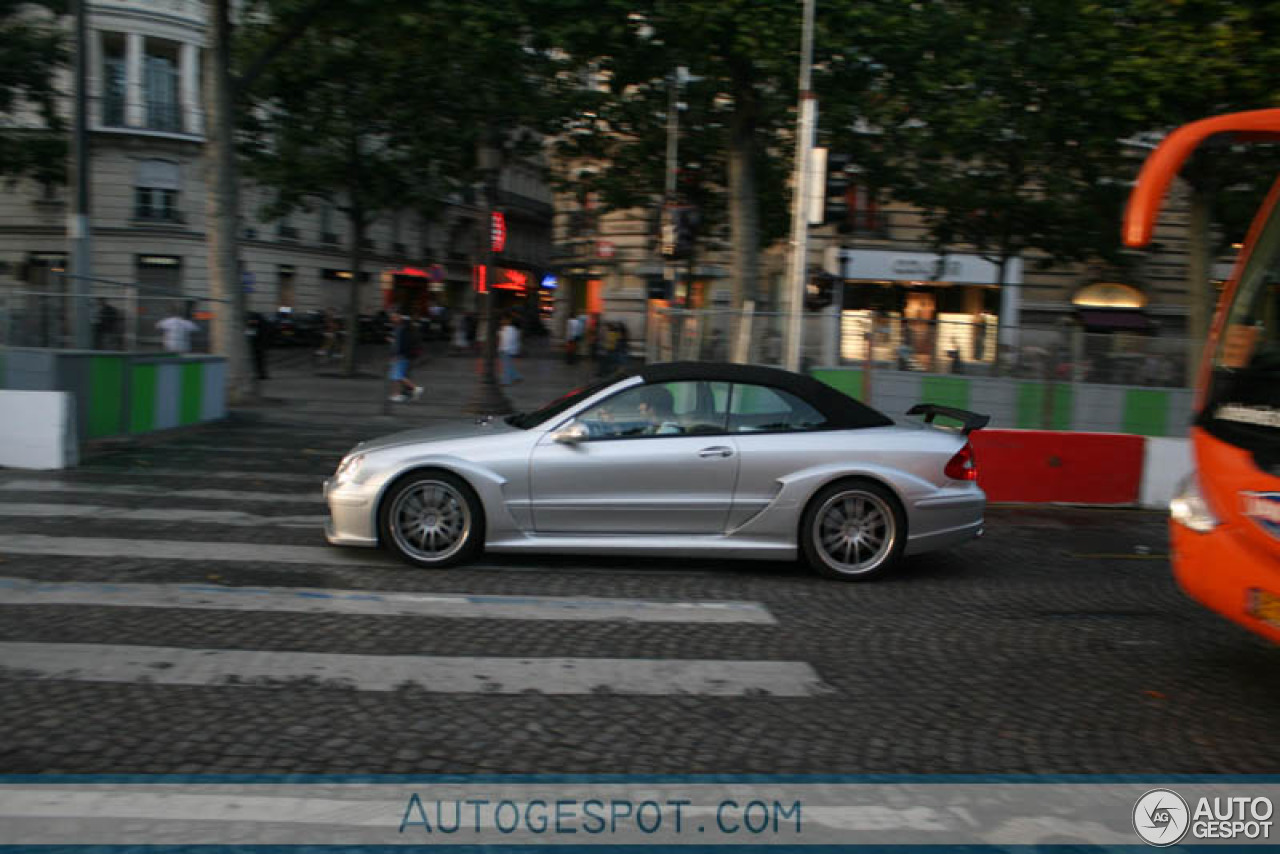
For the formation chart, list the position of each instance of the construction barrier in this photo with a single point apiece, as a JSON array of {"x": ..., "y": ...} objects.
[{"x": 121, "y": 394}]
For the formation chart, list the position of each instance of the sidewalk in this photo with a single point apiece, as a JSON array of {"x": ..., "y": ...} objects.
[{"x": 298, "y": 388}]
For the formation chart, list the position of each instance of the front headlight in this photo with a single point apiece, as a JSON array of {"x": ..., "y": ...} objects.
[
  {"x": 349, "y": 468},
  {"x": 1188, "y": 508}
]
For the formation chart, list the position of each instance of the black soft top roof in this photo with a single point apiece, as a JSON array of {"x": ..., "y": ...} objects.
[{"x": 841, "y": 411}]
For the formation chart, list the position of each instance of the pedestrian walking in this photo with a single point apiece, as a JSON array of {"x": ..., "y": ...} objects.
[
  {"x": 177, "y": 330},
  {"x": 402, "y": 347},
  {"x": 508, "y": 349},
  {"x": 106, "y": 326},
  {"x": 573, "y": 336},
  {"x": 258, "y": 333}
]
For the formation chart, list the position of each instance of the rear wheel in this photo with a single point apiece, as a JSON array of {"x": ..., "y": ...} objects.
[
  {"x": 853, "y": 530},
  {"x": 432, "y": 519}
]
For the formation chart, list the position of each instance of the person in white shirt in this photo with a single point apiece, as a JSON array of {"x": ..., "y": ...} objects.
[
  {"x": 177, "y": 333},
  {"x": 508, "y": 348}
]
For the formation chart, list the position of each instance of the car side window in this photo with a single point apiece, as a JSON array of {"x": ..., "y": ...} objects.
[
  {"x": 656, "y": 409},
  {"x": 761, "y": 409}
]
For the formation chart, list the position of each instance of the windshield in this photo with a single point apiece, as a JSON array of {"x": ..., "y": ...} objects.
[
  {"x": 1243, "y": 405},
  {"x": 528, "y": 420}
]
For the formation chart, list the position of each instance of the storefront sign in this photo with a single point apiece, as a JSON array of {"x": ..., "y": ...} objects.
[
  {"x": 888, "y": 265},
  {"x": 498, "y": 231}
]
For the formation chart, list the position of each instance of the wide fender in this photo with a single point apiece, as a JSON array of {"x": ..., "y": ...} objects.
[
  {"x": 489, "y": 486},
  {"x": 795, "y": 490}
]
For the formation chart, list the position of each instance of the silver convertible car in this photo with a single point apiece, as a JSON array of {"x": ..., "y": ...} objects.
[{"x": 678, "y": 459}]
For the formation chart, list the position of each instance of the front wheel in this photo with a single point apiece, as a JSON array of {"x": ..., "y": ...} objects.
[
  {"x": 432, "y": 519},
  {"x": 853, "y": 530}
]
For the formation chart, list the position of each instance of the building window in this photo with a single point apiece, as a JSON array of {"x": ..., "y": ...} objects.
[
  {"x": 164, "y": 110},
  {"x": 862, "y": 212},
  {"x": 327, "y": 234},
  {"x": 114, "y": 80},
  {"x": 156, "y": 192}
]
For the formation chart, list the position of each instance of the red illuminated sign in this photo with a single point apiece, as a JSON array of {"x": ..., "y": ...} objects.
[
  {"x": 498, "y": 231},
  {"x": 478, "y": 278}
]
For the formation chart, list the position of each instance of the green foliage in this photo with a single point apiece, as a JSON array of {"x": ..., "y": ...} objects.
[
  {"x": 382, "y": 103},
  {"x": 32, "y": 49},
  {"x": 744, "y": 57}
]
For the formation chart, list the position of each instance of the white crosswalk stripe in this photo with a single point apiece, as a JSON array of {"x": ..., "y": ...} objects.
[
  {"x": 17, "y": 591},
  {"x": 441, "y": 675},
  {"x": 38, "y": 486},
  {"x": 235, "y": 518}
]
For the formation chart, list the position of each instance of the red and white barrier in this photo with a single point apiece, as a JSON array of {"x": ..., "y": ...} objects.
[{"x": 1079, "y": 468}]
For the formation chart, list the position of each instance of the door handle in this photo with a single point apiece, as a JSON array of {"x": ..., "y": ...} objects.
[{"x": 717, "y": 451}]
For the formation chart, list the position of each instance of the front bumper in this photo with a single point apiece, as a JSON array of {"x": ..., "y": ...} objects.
[
  {"x": 1224, "y": 570},
  {"x": 351, "y": 516}
]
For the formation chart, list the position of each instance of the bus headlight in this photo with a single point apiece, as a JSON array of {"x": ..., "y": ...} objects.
[{"x": 1188, "y": 508}]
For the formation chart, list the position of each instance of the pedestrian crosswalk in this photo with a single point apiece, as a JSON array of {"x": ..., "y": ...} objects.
[{"x": 165, "y": 515}]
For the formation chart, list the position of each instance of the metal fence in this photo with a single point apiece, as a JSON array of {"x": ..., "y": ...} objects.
[
  {"x": 123, "y": 316},
  {"x": 975, "y": 346}
]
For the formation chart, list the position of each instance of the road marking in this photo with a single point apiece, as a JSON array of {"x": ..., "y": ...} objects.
[
  {"x": 35, "y": 544},
  {"x": 159, "y": 491},
  {"x": 299, "y": 449},
  {"x": 187, "y": 474},
  {"x": 439, "y": 675},
  {"x": 18, "y": 591},
  {"x": 159, "y": 514}
]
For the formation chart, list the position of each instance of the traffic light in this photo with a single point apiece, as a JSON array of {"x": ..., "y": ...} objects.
[
  {"x": 680, "y": 231},
  {"x": 836, "y": 208}
]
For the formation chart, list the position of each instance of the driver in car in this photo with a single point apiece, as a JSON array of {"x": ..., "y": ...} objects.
[{"x": 658, "y": 408}]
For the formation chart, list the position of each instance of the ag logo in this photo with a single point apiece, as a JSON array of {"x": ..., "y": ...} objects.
[{"x": 1161, "y": 817}]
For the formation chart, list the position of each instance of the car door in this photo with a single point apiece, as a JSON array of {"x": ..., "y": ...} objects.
[
  {"x": 776, "y": 433},
  {"x": 637, "y": 473}
]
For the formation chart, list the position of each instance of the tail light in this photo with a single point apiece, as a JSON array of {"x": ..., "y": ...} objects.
[{"x": 963, "y": 466}]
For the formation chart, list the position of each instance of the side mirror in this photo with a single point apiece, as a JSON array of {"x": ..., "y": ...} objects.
[{"x": 570, "y": 434}]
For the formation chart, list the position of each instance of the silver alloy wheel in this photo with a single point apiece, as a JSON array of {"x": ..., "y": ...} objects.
[
  {"x": 854, "y": 531},
  {"x": 430, "y": 521}
]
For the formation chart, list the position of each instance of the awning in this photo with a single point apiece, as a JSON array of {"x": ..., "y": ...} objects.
[{"x": 1114, "y": 320}]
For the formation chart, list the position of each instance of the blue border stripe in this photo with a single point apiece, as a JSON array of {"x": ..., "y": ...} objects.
[{"x": 700, "y": 779}]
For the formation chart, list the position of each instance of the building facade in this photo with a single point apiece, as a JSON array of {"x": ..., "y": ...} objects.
[{"x": 147, "y": 123}]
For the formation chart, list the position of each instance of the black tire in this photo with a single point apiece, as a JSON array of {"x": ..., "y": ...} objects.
[
  {"x": 846, "y": 517},
  {"x": 452, "y": 520}
]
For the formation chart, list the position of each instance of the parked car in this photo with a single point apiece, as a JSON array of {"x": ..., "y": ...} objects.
[{"x": 685, "y": 458}]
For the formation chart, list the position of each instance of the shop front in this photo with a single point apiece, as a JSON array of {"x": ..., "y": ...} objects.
[{"x": 921, "y": 310}]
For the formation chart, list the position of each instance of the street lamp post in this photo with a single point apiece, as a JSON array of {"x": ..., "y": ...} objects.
[
  {"x": 800, "y": 189},
  {"x": 488, "y": 399},
  {"x": 78, "y": 222}
]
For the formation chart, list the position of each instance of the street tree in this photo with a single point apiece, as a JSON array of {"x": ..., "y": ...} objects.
[
  {"x": 1190, "y": 60},
  {"x": 741, "y": 109},
  {"x": 997, "y": 121},
  {"x": 325, "y": 125},
  {"x": 32, "y": 51}
]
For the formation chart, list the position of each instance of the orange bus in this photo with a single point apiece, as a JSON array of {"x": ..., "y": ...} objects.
[{"x": 1225, "y": 518}]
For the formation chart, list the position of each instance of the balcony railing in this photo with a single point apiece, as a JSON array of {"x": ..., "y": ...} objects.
[
  {"x": 164, "y": 116},
  {"x": 113, "y": 111},
  {"x": 165, "y": 216}
]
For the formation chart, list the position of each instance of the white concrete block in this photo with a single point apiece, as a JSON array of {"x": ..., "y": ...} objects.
[
  {"x": 1165, "y": 462},
  {"x": 38, "y": 430}
]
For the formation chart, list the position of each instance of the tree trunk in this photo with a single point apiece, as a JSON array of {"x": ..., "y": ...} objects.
[
  {"x": 1199, "y": 298},
  {"x": 223, "y": 207},
  {"x": 744, "y": 217}
]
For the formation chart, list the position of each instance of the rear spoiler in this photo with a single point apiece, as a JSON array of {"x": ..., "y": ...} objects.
[{"x": 971, "y": 420}]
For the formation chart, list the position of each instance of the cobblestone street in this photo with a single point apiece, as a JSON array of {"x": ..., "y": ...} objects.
[{"x": 171, "y": 606}]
